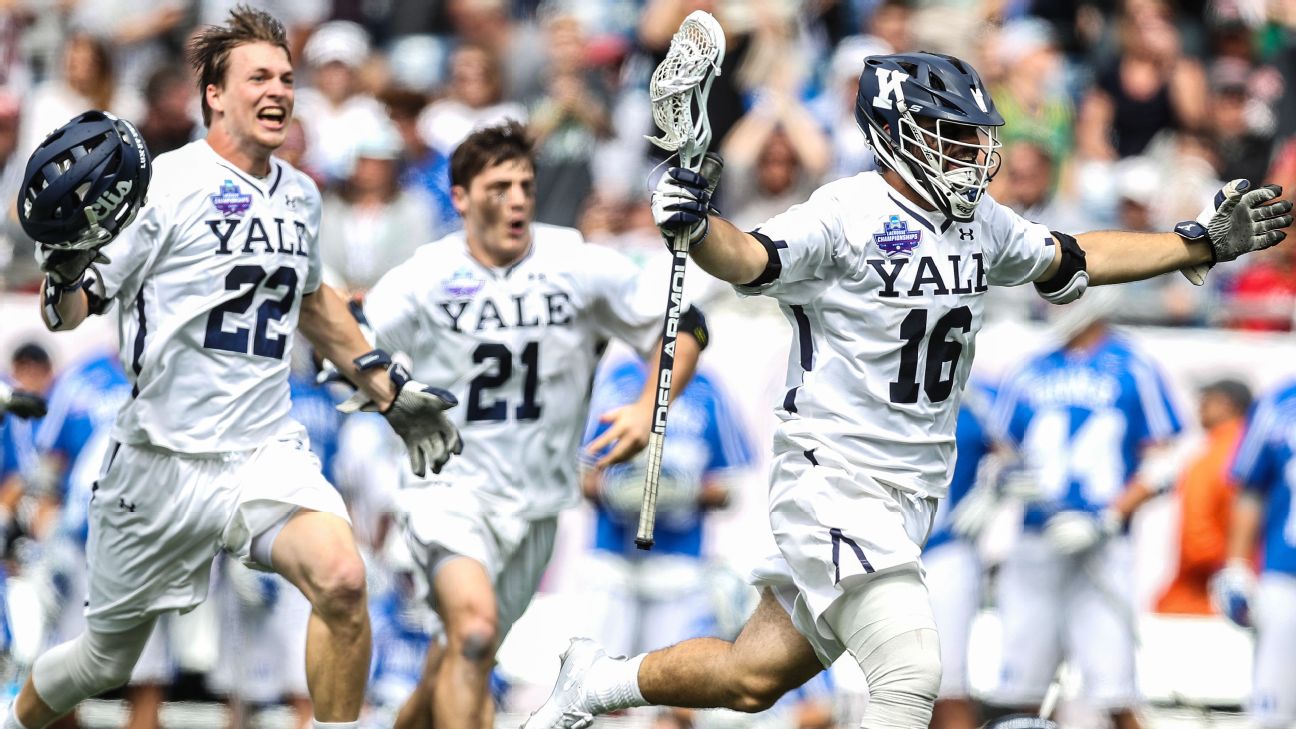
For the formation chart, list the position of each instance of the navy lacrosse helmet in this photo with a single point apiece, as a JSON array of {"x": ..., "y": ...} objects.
[
  {"x": 937, "y": 157},
  {"x": 85, "y": 183}
]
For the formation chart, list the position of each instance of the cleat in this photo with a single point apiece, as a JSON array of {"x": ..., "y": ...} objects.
[{"x": 569, "y": 706}]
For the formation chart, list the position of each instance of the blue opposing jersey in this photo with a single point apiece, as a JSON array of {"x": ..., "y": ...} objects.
[
  {"x": 704, "y": 439},
  {"x": 83, "y": 407},
  {"x": 315, "y": 408},
  {"x": 16, "y": 453},
  {"x": 972, "y": 442},
  {"x": 1266, "y": 464},
  {"x": 1080, "y": 419},
  {"x": 400, "y": 644}
]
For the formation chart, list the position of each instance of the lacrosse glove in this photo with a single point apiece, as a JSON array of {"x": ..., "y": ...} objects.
[
  {"x": 681, "y": 201},
  {"x": 20, "y": 403},
  {"x": 1232, "y": 589},
  {"x": 1237, "y": 222},
  {"x": 417, "y": 414}
]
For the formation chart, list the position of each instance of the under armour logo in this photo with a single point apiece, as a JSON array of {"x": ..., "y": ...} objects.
[
  {"x": 128, "y": 506},
  {"x": 965, "y": 234},
  {"x": 889, "y": 90}
]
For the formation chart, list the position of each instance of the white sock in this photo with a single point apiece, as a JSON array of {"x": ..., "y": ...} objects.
[
  {"x": 11, "y": 718},
  {"x": 613, "y": 684},
  {"x": 336, "y": 724}
]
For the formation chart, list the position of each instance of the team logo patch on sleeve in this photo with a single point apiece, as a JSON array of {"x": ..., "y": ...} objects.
[
  {"x": 230, "y": 201},
  {"x": 463, "y": 284},
  {"x": 896, "y": 239}
]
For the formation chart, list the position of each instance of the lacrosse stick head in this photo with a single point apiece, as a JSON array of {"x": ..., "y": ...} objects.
[{"x": 682, "y": 81}]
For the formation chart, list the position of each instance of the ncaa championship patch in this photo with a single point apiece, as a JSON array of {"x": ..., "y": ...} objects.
[
  {"x": 230, "y": 201},
  {"x": 463, "y": 284},
  {"x": 896, "y": 239}
]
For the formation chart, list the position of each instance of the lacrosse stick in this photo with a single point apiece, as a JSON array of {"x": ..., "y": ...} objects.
[{"x": 680, "y": 83}]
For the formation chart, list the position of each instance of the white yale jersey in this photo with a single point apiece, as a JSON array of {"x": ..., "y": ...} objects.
[
  {"x": 518, "y": 346},
  {"x": 208, "y": 282},
  {"x": 885, "y": 301}
]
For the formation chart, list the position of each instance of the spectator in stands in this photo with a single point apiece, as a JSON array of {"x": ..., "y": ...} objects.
[
  {"x": 567, "y": 123},
  {"x": 517, "y": 48},
  {"x": 1152, "y": 86},
  {"x": 168, "y": 99},
  {"x": 17, "y": 262},
  {"x": 1241, "y": 126},
  {"x": 1262, "y": 296},
  {"x": 86, "y": 81},
  {"x": 334, "y": 109},
  {"x": 376, "y": 222},
  {"x": 834, "y": 107},
  {"x": 1032, "y": 95},
  {"x": 422, "y": 167},
  {"x": 775, "y": 156},
  {"x": 1206, "y": 499},
  {"x": 474, "y": 99}
]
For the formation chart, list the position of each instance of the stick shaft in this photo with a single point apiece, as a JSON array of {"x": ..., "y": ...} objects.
[{"x": 665, "y": 369}]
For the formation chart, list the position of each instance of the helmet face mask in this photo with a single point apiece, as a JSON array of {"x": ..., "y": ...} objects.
[{"x": 929, "y": 118}]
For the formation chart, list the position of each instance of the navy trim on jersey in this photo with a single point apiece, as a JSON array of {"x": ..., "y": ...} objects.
[
  {"x": 242, "y": 176},
  {"x": 810, "y": 456},
  {"x": 140, "y": 334},
  {"x": 837, "y": 539},
  {"x": 789, "y": 400},
  {"x": 278, "y": 176},
  {"x": 803, "y": 336},
  {"x": 925, "y": 222}
]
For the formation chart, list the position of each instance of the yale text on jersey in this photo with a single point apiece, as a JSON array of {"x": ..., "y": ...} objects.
[
  {"x": 928, "y": 276},
  {"x": 275, "y": 235},
  {"x": 553, "y": 308}
]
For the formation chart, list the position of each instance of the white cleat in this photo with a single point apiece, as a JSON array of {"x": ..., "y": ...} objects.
[{"x": 568, "y": 706}]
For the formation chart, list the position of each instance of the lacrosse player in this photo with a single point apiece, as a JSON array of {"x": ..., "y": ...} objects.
[
  {"x": 881, "y": 276},
  {"x": 1265, "y": 469},
  {"x": 1083, "y": 416},
  {"x": 510, "y": 316},
  {"x": 210, "y": 281}
]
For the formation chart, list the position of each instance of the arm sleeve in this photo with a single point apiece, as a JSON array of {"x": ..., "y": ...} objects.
[
  {"x": 1156, "y": 418},
  {"x": 625, "y": 304},
  {"x": 392, "y": 309},
  {"x": 1010, "y": 414},
  {"x": 728, "y": 441},
  {"x": 1256, "y": 465},
  {"x": 132, "y": 253},
  {"x": 807, "y": 239},
  {"x": 1022, "y": 249},
  {"x": 315, "y": 267}
]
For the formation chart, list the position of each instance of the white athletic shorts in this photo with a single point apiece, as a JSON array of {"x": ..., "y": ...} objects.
[
  {"x": 954, "y": 583},
  {"x": 834, "y": 526},
  {"x": 1273, "y": 698},
  {"x": 444, "y": 521},
  {"x": 1053, "y": 607},
  {"x": 641, "y": 605},
  {"x": 262, "y": 648},
  {"x": 158, "y": 519}
]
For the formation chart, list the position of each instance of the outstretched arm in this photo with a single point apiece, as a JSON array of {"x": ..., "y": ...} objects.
[{"x": 330, "y": 327}]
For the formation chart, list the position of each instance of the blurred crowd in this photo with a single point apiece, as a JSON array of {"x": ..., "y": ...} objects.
[{"x": 1120, "y": 114}]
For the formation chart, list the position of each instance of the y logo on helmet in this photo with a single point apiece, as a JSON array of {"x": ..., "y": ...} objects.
[
  {"x": 110, "y": 199},
  {"x": 889, "y": 90}
]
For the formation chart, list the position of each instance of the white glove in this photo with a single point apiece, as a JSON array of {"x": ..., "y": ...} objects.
[
  {"x": 253, "y": 588},
  {"x": 417, "y": 415},
  {"x": 974, "y": 511},
  {"x": 1235, "y": 223},
  {"x": 1232, "y": 590},
  {"x": 1073, "y": 531},
  {"x": 21, "y": 403}
]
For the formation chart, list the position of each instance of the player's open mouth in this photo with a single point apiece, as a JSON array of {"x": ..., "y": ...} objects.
[
  {"x": 273, "y": 117},
  {"x": 517, "y": 228}
]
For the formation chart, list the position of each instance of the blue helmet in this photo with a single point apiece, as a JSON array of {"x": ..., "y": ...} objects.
[
  {"x": 930, "y": 118},
  {"x": 85, "y": 182}
]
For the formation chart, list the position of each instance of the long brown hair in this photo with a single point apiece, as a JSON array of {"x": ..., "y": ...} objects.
[{"x": 208, "y": 51}]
